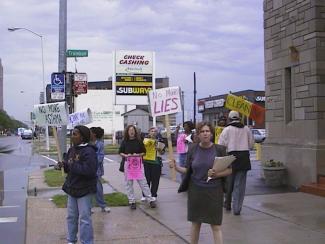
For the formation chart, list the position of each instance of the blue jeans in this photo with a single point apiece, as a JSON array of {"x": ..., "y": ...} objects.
[
  {"x": 80, "y": 207},
  {"x": 100, "y": 194},
  {"x": 236, "y": 186}
]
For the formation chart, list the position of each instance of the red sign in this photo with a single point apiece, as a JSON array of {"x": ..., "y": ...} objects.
[{"x": 80, "y": 84}]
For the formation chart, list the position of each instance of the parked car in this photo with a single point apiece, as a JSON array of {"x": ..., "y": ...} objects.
[
  {"x": 27, "y": 134},
  {"x": 258, "y": 136}
]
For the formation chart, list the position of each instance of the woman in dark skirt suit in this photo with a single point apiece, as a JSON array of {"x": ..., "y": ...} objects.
[{"x": 205, "y": 198}]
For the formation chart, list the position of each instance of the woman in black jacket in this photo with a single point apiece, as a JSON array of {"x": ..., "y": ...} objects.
[{"x": 80, "y": 164}]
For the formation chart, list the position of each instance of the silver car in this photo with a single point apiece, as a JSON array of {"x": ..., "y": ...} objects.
[{"x": 258, "y": 136}]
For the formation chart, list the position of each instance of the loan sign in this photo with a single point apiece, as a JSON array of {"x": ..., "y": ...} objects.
[
  {"x": 165, "y": 101},
  {"x": 51, "y": 114},
  {"x": 80, "y": 118}
]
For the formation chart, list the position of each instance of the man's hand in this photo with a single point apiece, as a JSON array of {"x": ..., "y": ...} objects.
[{"x": 59, "y": 165}]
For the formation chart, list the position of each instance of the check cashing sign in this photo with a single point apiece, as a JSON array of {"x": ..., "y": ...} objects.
[
  {"x": 133, "y": 76},
  {"x": 51, "y": 114}
]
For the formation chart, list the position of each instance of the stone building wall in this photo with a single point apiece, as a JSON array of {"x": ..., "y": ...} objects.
[{"x": 294, "y": 42}]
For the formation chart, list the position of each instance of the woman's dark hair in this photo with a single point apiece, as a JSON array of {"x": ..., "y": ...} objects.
[
  {"x": 189, "y": 124},
  {"x": 126, "y": 134},
  {"x": 204, "y": 123},
  {"x": 98, "y": 131},
  {"x": 84, "y": 132}
]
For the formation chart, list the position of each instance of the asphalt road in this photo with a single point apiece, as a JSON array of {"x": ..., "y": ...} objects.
[{"x": 14, "y": 169}]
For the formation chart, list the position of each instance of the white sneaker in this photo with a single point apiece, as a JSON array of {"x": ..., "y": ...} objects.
[
  {"x": 106, "y": 210},
  {"x": 154, "y": 198},
  {"x": 143, "y": 199}
]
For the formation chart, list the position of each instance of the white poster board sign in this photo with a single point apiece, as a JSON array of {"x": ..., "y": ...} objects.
[
  {"x": 165, "y": 101},
  {"x": 80, "y": 118},
  {"x": 51, "y": 114}
]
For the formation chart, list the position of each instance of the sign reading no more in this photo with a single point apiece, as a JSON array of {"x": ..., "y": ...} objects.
[
  {"x": 51, "y": 114},
  {"x": 165, "y": 101}
]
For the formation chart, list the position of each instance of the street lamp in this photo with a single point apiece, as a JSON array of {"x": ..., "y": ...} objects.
[{"x": 44, "y": 87}]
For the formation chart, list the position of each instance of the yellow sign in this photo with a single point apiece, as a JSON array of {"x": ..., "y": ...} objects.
[
  {"x": 238, "y": 104},
  {"x": 150, "y": 146},
  {"x": 217, "y": 133}
]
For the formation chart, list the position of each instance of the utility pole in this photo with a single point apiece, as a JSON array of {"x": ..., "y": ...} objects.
[
  {"x": 194, "y": 105},
  {"x": 62, "y": 66}
]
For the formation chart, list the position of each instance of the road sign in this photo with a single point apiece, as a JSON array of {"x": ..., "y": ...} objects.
[
  {"x": 76, "y": 53},
  {"x": 57, "y": 86},
  {"x": 80, "y": 84}
]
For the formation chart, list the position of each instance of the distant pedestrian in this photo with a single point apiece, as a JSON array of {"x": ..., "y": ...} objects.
[
  {"x": 205, "y": 198},
  {"x": 152, "y": 161},
  {"x": 184, "y": 139},
  {"x": 238, "y": 139},
  {"x": 222, "y": 121},
  {"x": 132, "y": 147},
  {"x": 80, "y": 164},
  {"x": 96, "y": 138}
]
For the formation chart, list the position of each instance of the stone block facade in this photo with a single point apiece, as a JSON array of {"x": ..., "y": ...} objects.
[{"x": 294, "y": 43}]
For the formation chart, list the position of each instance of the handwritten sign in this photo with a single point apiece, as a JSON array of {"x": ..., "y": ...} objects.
[
  {"x": 134, "y": 168},
  {"x": 52, "y": 114},
  {"x": 238, "y": 104},
  {"x": 80, "y": 118},
  {"x": 165, "y": 101}
]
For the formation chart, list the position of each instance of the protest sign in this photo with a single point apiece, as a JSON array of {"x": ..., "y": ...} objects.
[
  {"x": 165, "y": 101},
  {"x": 80, "y": 118},
  {"x": 51, "y": 114},
  {"x": 134, "y": 168},
  {"x": 246, "y": 108}
]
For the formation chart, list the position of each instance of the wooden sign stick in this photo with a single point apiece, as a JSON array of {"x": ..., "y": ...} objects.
[
  {"x": 55, "y": 133},
  {"x": 170, "y": 147}
]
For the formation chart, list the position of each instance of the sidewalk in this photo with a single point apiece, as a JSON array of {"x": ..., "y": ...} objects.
[{"x": 276, "y": 218}]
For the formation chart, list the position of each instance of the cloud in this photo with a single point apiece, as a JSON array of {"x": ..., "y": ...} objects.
[{"x": 221, "y": 40}]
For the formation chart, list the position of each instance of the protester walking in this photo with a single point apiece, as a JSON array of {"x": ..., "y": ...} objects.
[
  {"x": 96, "y": 138},
  {"x": 132, "y": 150},
  {"x": 205, "y": 198},
  {"x": 152, "y": 161},
  {"x": 184, "y": 139},
  {"x": 238, "y": 139},
  {"x": 80, "y": 164}
]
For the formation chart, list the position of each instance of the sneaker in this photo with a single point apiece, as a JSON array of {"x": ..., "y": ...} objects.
[
  {"x": 236, "y": 213},
  {"x": 154, "y": 198},
  {"x": 143, "y": 199},
  {"x": 152, "y": 204},
  {"x": 106, "y": 210},
  {"x": 133, "y": 206}
]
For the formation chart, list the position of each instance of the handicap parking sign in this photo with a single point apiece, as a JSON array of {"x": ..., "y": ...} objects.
[{"x": 57, "y": 86}]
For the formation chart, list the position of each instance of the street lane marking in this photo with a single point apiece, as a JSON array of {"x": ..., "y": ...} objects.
[
  {"x": 110, "y": 160},
  {"x": 50, "y": 159},
  {"x": 8, "y": 220},
  {"x": 14, "y": 206}
]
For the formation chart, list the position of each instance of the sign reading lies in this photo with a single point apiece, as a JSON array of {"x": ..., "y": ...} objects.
[
  {"x": 80, "y": 118},
  {"x": 51, "y": 114},
  {"x": 165, "y": 101}
]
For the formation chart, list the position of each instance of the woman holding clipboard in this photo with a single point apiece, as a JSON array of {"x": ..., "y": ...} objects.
[{"x": 205, "y": 197}]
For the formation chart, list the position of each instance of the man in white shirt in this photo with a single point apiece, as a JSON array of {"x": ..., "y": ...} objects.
[{"x": 238, "y": 139}]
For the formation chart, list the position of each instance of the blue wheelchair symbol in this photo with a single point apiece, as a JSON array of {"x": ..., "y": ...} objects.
[{"x": 57, "y": 81}]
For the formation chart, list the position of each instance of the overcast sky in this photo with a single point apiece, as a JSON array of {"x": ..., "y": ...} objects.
[{"x": 221, "y": 40}]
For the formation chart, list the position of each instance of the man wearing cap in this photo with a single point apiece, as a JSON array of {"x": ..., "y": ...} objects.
[{"x": 238, "y": 139}]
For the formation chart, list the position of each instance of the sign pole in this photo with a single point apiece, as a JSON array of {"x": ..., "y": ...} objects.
[
  {"x": 170, "y": 147},
  {"x": 55, "y": 133}
]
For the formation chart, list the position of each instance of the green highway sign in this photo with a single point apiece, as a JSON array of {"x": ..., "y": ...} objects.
[{"x": 76, "y": 53}]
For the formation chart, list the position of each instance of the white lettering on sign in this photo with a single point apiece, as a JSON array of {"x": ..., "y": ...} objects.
[
  {"x": 260, "y": 99},
  {"x": 53, "y": 114},
  {"x": 165, "y": 101},
  {"x": 214, "y": 103}
]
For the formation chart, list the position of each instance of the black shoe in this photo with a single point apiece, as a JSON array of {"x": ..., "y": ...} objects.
[
  {"x": 237, "y": 213},
  {"x": 152, "y": 204},
  {"x": 133, "y": 206}
]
